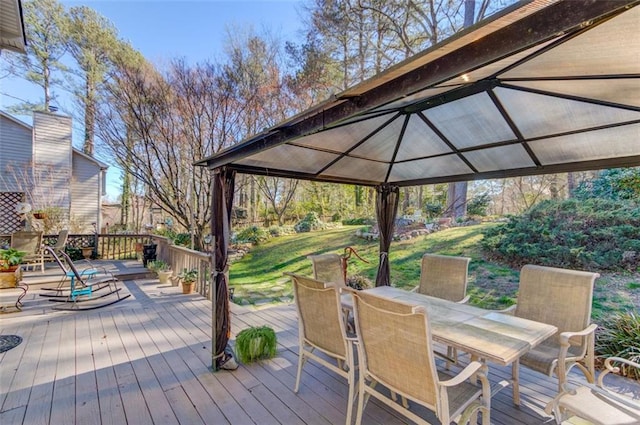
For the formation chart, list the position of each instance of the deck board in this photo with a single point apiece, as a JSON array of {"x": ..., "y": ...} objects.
[{"x": 146, "y": 360}]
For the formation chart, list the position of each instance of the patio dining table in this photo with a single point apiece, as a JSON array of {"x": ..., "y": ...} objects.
[{"x": 488, "y": 335}]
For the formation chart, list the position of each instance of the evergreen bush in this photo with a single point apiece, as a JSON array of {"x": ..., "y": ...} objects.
[
  {"x": 308, "y": 223},
  {"x": 252, "y": 234},
  {"x": 592, "y": 234},
  {"x": 357, "y": 221}
]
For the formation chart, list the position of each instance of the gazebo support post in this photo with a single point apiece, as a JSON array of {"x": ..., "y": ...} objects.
[
  {"x": 387, "y": 197},
  {"x": 221, "y": 206}
]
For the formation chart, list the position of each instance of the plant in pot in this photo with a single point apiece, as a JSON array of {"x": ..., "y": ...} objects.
[
  {"x": 188, "y": 278},
  {"x": 39, "y": 214},
  {"x": 256, "y": 343},
  {"x": 10, "y": 260},
  {"x": 162, "y": 269}
]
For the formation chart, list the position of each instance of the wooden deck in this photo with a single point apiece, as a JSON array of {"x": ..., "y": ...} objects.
[{"x": 146, "y": 360}]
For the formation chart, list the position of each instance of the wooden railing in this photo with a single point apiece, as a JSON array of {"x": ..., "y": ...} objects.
[
  {"x": 180, "y": 258},
  {"x": 124, "y": 246}
]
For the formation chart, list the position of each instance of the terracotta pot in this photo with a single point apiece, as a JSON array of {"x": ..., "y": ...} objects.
[
  {"x": 187, "y": 287},
  {"x": 39, "y": 215},
  {"x": 86, "y": 252}
]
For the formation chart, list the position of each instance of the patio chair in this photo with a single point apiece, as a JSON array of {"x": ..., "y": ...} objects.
[
  {"x": 61, "y": 242},
  {"x": 562, "y": 298},
  {"x": 395, "y": 350},
  {"x": 321, "y": 328},
  {"x": 328, "y": 268},
  {"x": 31, "y": 243},
  {"x": 596, "y": 403},
  {"x": 445, "y": 276},
  {"x": 83, "y": 286}
]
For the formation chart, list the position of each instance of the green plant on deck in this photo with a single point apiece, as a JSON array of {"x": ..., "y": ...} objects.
[
  {"x": 10, "y": 257},
  {"x": 188, "y": 276},
  {"x": 157, "y": 266},
  {"x": 255, "y": 343},
  {"x": 619, "y": 336}
]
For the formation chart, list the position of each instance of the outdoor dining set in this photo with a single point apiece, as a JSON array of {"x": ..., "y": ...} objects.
[{"x": 404, "y": 348}]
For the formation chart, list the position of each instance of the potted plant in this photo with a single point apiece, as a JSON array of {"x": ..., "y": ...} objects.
[
  {"x": 10, "y": 260},
  {"x": 255, "y": 343},
  {"x": 162, "y": 269},
  {"x": 188, "y": 279},
  {"x": 39, "y": 214}
]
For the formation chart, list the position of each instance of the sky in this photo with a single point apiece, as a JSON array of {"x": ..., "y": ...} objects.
[{"x": 165, "y": 29}]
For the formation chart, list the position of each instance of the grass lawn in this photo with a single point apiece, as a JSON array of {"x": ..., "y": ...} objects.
[{"x": 258, "y": 276}]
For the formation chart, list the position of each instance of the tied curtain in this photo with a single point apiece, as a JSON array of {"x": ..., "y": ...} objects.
[
  {"x": 222, "y": 204},
  {"x": 386, "y": 210}
]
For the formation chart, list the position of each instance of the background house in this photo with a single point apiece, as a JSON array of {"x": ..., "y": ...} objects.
[
  {"x": 12, "y": 35},
  {"x": 39, "y": 166}
]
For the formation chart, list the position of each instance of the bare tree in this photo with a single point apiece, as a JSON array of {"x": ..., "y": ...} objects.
[
  {"x": 279, "y": 192},
  {"x": 158, "y": 124}
]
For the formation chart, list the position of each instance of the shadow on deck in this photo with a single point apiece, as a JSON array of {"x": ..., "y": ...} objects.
[{"x": 146, "y": 361}]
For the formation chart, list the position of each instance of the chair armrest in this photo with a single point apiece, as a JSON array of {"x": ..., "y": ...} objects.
[
  {"x": 615, "y": 369},
  {"x": 347, "y": 290},
  {"x": 464, "y": 300},
  {"x": 509, "y": 310},
  {"x": 565, "y": 337},
  {"x": 466, "y": 373}
]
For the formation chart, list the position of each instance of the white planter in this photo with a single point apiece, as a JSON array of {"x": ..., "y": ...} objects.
[{"x": 163, "y": 277}]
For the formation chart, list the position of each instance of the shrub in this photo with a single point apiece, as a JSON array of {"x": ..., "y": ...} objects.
[
  {"x": 478, "y": 205},
  {"x": 182, "y": 239},
  {"x": 592, "y": 234},
  {"x": 308, "y": 223},
  {"x": 252, "y": 234},
  {"x": 433, "y": 209},
  {"x": 357, "y": 221},
  {"x": 619, "y": 336},
  {"x": 74, "y": 254},
  {"x": 281, "y": 231},
  {"x": 615, "y": 184}
]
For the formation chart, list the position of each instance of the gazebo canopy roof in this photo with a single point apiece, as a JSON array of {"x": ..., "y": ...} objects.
[{"x": 543, "y": 87}]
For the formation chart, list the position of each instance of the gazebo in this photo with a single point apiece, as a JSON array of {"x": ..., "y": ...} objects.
[{"x": 542, "y": 87}]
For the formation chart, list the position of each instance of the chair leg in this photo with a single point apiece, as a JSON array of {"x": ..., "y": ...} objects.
[
  {"x": 515, "y": 381},
  {"x": 361, "y": 396},
  {"x": 351, "y": 382},
  {"x": 300, "y": 364}
]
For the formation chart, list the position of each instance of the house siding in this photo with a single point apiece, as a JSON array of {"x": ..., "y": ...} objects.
[
  {"x": 16, "y": 150},
  {"x": 85, "y": 193},
  {"x": 52, "y": 160}
]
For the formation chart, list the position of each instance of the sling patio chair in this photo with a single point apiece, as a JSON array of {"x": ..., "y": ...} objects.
[
  {"x": 321, "y": 327},
  {"x": 31, "y": 243},
  {"x": 83, "y": 287},
  {"x": 596, "y": 403},
  {"x": 395, "y": 350},
  {"x": 61, "y": 242},
  {"x": 446, "y": 277},
  {"x": 561, "y": 298},
  {"x": 328, "y": 268}
]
